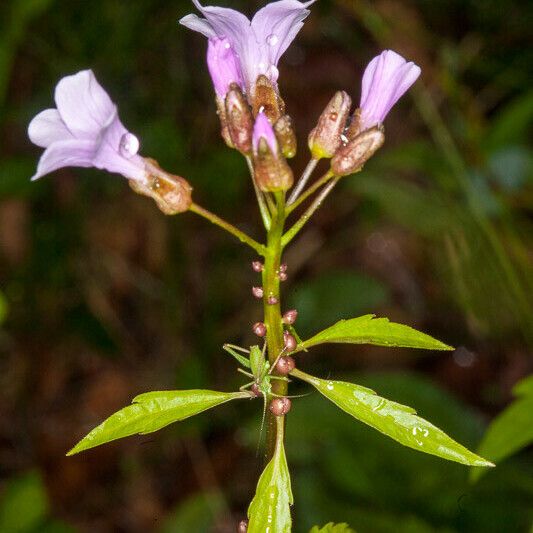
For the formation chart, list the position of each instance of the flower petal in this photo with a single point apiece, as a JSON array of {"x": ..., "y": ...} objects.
[
  {"x": 70, "y": 153},
  {"x": 84, "y": 105},
  {"x": 195, "y": 23},
  {"x": 277, "y": 24},
  {"x": 47, "y": 128}
]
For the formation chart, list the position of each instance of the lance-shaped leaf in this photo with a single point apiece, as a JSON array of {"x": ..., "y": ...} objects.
[
  {"x": 152, "y": 411},
  {"x": 332, "y": 528},
  {"x": 397, "y": 421},
  {"x": 270, "y": 508},
  {"x": 370, "y": 330}
]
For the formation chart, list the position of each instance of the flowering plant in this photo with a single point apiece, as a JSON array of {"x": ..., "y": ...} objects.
[{"x": 84, "y": 130}]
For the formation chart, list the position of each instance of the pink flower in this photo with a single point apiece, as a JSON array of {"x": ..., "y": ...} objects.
[
  {"x": 223, "y": 66},
  {"x": 264, "y": 130},
  {"x": 258, "y": 44},
  {"x": 85, "y": 131},
  {"x": 386, "y": 79}
]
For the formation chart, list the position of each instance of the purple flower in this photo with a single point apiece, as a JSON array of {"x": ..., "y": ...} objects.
[
  {"x": 258, "y": 44},
  {"x": 264, "y": 130},
  {"x": 223, "y": 66},
  {"x": 387, "y": 77},
  {"x": 85, "y": 131}
]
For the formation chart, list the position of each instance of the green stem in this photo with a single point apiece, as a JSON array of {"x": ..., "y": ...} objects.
[
  {"x": 265, "y": 215},
  {"x": 272, "y": 312},
  {"x": 309, "y": 169},
  {"x": 322, "y": 181},
  {"x": 230, "y": 228},
  {"x": 302, "y": 221}
]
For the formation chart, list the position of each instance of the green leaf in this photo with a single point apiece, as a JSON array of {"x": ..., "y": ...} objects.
[
  {"x": 393, "y": 419},
  {"x": 152, "y": 411},
  {"x": 270, "y": 508},
  {"x": 370, "y": 330},
  {"x": 332, "y": 528},
  {"x": 512, "y": 430}
]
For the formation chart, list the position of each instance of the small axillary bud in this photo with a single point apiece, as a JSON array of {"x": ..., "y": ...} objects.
[
  {"x": 351, "y": 157},
  {"x": 289, "y": 342},
  {"x": 280, "y": 406},
  {"x": 242, "y": 527},
  {"x": 290, "y": 317},
  {"x": 239, "y": 120},
  {"x": 259, "y": 329},
  {"x": 286, "y": 136},
  {"x": 266, "y": 99},
  {"x": 272, "y": 172},
  {"x": 285, "y": 365},
  {"x": 326, "y": 138},
  {"x": 257, "y": 292},
  {"x": 172, "y": 194}
]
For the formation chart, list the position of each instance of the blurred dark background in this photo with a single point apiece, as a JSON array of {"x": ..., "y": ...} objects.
[{"x": 103, "y": 297}]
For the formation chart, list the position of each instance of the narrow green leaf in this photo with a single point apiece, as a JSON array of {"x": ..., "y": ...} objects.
[
  {"x": 270, "y": 508},
  {"x": 393, "y": 419},
  {"x": 370, "y": 330},
  {"x": 332, "y": 528},
  {"x": 152, "y": 411},
  {"x": 512, "y": 430}
]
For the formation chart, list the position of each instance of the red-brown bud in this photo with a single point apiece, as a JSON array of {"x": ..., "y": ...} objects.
[
  {"x": 283, "y": 276},
  {"x": 266, "y": 98},
  {"x": 256, "y": 391},
  {"x": 290, "y": 342},
  {"x": 242, "y": 527},
  {"x": 272, "y": 300},
  {"x": 239, "y": 120},
  {"x": 271, "y": 169},
  {"x": 280, "y": 406},
  {"x": 290, "y": 317},
  {"x": 286, "y": 136},
  {"x": 283, "y": 267},
  {"x": 172, "y": 194},
  {"x": 358, "y": 151},
  {"x": 259, "y": 329},
  {"x": 257, "y": 266},
  {"x": 325, "y": 139},
  {"x": 285, "y": 365},
  {"x": 257, "y": 292},
  {"x": 354, "y": 129}
]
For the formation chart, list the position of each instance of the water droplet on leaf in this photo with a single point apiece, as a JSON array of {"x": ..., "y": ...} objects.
[{"x": 129, "y": 145}]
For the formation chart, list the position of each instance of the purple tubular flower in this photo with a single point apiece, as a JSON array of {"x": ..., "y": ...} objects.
[
  {"x": 387, "y": 77},
  {"x": 85, "y": 131},
  {"x": 264, "y": 130},
  {"x": 223, "y": 66},
  {"x": 258, "y": 44}
]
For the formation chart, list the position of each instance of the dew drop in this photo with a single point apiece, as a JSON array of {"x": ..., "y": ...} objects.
[
  {"x": 272, "y": 39},
  {"x": 330, "y": 386},
  {"x": 333, "y": 116},
  {"x": 129, "y": 145}
]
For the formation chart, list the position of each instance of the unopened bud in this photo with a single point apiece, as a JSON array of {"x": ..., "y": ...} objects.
[
  {"x": 172, "y": 194},
  {"x": 283, "y": 267},
  {"x": 290, "y": 317},
  {"x": 257, "y": 266},
  {"x": 259, "y": 329},
  {"x": 285, "y": 365},
  {"x": 242, "y": 526},
  {"x": 283, "y": 276},
  {"x": 280, "y": 406},
  {"x": 266, "y": 99},
  {"x": 257, "y": 292},
  {"x": 289, "y": 341},
  {"x": 354, "y": 129},
  {"x": 286, "y": 136},
  {"x": 256, "y": 391},
  {"x": 239, "y": 119},
  {"x": 272, "y": 300},
  {"x": 325, "y": 139},
  {"x": 358, "y": 151},
  {"x": 224, "y": 130}
]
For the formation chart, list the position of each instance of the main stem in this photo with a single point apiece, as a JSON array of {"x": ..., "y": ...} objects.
[{"x": 272, "y": 312}]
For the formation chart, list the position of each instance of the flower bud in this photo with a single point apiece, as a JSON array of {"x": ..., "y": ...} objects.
[
  {"x": 224, "y": 131},
  {"x": 259, "y": 329},
  {"x": 272, "y": 300},
  {"x": 271, "y": 169},
  {"x": 256, "y": 391},
  {"x": 257, "y": 266},
  {"x": 351, "y": 157},
  {"x": 242, "y": 527},
  {"x": 266, "y": 99},
  {"x": 325, "y": 139},
  {"x": 239, "y": 120},
  {"x": 285, "y": 365},
  {"x": 289, "y": 341},
  {"x": 354, "y": 129},
  {"x": 280, "y": 406},
  {"x": 257, "y": 292},
  {"x": 286, "y": 136},
  {"x": 290, "y": 317},
  {"x": 172, "y": 194}
]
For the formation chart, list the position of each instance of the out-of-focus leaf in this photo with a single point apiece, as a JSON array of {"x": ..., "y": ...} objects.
[
  {"x": 378, "y": 331},
  {"x": 331, "y": 296},
  {"x": 3, "y": 308},
  {"x": 270, "y": 508},
  {"x": 197, "y": 514},
  {"x": 512, "y": 167},
  {"x": 397, "y": 421},
  {"x": 15, "y": 174},
  {"x": 24, "y": 505},
  {"x": 512, "y": 430},
  {"x": 152, "y": 411},
  {"x": 332, "y": 528}
]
